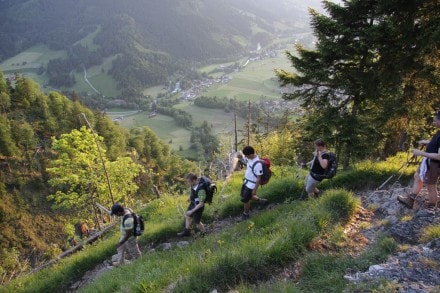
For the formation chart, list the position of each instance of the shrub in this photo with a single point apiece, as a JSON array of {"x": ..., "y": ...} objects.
[
  {"x": 341, "y": 204},
  {"x": 430, "y": 233}
]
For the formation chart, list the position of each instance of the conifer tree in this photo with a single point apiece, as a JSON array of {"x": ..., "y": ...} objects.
[{"x": 355, "y": 81}]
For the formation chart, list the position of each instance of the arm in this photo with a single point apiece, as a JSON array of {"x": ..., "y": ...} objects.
[
  {"x": 322, "y": 162},
  {"x": 432, "y": 156},
  {"x": 127, "y": 236},
  {"x": 201, "y": 196},
  {"x": 257, "y": 184}
]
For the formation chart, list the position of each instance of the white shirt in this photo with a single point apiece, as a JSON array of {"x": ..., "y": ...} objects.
[
  {"x": 251, "y": 176},
  {"x": 126, "y": 225}
]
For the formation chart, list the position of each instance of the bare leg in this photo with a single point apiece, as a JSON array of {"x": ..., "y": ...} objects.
[
  {"x": 121, "y": 253},
  {"x": 417, "y": 185},
  {"x": 432, "y": 193},
  {"x": 247, "y": 207},
  {"x": 201, "y": 227},
  {"x": 188, "y": 222}
]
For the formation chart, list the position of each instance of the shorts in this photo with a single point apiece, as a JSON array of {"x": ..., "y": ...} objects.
[
  {"x": 197, "y": 215},
  {"x": 432, "y": 174},
  {"x": 311, "y": 183},
  {"x": 246, "y": 194}
]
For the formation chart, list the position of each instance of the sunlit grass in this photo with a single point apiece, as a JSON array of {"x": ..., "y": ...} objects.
[{"x": 227, "y": 259}]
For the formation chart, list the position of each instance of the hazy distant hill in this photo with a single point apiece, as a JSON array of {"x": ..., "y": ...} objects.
[{"x": 146, "y": 40}]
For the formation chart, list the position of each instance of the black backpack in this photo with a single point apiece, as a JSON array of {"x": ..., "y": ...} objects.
[
  {"x": 209, "y": 187},
  {"x": 139, "y": 224},
  {"x": 332, "y": 166}
]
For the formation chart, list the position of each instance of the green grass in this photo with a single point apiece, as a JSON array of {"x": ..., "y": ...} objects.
[
  {"x": 87, "y": 41},
  {"x": 103, "y": 82},
  {"x": 430, "y": 233},
  {"x": 165, "y": 127},
  {"x": 244, "y": 252},
  {"x": 154, "y": 91},
  {"x": 34, "y": 57},
  {"x": 221, "y": 121},
  {"x": 243, "y": 255},
  {"x": 255, "y": 81}
]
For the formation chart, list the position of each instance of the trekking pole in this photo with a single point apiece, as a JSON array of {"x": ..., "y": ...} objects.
[
  {"x": 101, "y": 157},
  {"x": 404, "y": 167}
]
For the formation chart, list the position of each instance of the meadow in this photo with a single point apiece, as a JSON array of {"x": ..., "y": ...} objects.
[
  {"x": 254, "y": 82},
  {"x": 164, "y": 126},
  {"x": 247, "y": 256}
]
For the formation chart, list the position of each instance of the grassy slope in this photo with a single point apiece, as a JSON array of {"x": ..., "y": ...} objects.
[
  {"x": 255, "y": 81},
  {"x": 164, "y": 126},
  {"x": 34, "y": 57},
  {"x": 100, "y": 80},
  {"x": 221, "y": 121},
  {"x": 230, "y": 257},
  {"x": 40, "y": 55}
]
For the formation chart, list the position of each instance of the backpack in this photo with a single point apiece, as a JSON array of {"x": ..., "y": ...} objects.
[
  {"x": 267, "y": 173},
  {"x": 209, "y": 187},
  {"x": 139, "y": 224},
  {"x": 332, "y": 166}
]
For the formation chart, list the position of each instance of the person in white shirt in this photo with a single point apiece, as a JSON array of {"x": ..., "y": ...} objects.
[
  {"x": 254, "y": 170},
  {"x": 127, "y": 242}
]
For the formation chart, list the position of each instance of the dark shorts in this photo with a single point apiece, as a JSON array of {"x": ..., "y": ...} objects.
[
  {"x": 432, "y": 174},
  {"x": 246, "y": 194},
  {"x": 197, "y": 215}
]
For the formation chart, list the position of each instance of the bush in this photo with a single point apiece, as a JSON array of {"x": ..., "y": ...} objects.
[
  {"x": 341, "y": 204},
  {"x": 430, "y": 233}
]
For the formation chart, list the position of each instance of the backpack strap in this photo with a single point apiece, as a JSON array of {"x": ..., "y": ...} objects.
[{"x": 253, "y": 167}]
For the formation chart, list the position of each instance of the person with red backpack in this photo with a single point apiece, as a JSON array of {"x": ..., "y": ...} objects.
[{"x": 257, "y": 174}]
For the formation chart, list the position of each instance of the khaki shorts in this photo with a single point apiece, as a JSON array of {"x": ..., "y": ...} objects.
[
  {"x": 311, "y": 183},
  {"x": 433, "y": 173}
]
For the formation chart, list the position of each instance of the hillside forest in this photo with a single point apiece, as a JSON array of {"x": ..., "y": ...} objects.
[{"x": 369, "y": 88}]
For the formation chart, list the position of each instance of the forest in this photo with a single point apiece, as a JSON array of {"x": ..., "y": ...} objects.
[
  {"x": 42, "y": 138},
  {"x": 368, "y": 88}
]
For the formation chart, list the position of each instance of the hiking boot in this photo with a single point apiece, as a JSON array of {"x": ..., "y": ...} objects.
[
  {"x": 244, "y": 217},
  {"x": 407, "y": 200},
  {"x": 262, "y": 203},
  {"x": 184, "y": 233},
  {"x": 317, "y": 194},
  {"x": 421, "y": 203}
]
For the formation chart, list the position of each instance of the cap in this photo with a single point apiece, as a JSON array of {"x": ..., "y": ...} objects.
[{"x": 116, "y": 208}]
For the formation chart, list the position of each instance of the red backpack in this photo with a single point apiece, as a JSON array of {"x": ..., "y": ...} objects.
[{"x": 267, "y": 173}]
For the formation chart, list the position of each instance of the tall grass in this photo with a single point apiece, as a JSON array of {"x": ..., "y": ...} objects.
[{"x": 245, "y": 252}]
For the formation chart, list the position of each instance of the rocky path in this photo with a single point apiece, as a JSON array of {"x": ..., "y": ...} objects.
[
  {"x": 416, "y": 266},
  {"x": 413, "y": 269},
  {"x": 176, "y": 242}
]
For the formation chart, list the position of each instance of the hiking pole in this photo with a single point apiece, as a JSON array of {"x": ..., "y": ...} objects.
[
  {"x": 394, "y": 175},
  {"x": 404, "y": 167},
  {"x": 101, "y": 157}
]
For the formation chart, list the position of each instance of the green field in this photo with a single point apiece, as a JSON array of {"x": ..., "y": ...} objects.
[
  {"x": 97, "y": 75},
  {"x": 154, "y": 91},
  {"x": 165, "y": 127},
  {"x": 257, "y": 80},
  {"x": 31, "y": 59},
  {"x": 87, "y": 41},
  {"x": 221, "y": 121}
]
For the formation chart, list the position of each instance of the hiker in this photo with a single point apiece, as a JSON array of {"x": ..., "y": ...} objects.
[
  {"x": 197, "y": 205},
  {"x": 427, "y": 173},
  {"x": 252, "y": 180},
  {"x": 127, "y": 242},
  {"x": 318, "y": 166}
]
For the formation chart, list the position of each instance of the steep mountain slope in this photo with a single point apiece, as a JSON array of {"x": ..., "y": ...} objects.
[{"x": 149, "y": 40}]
